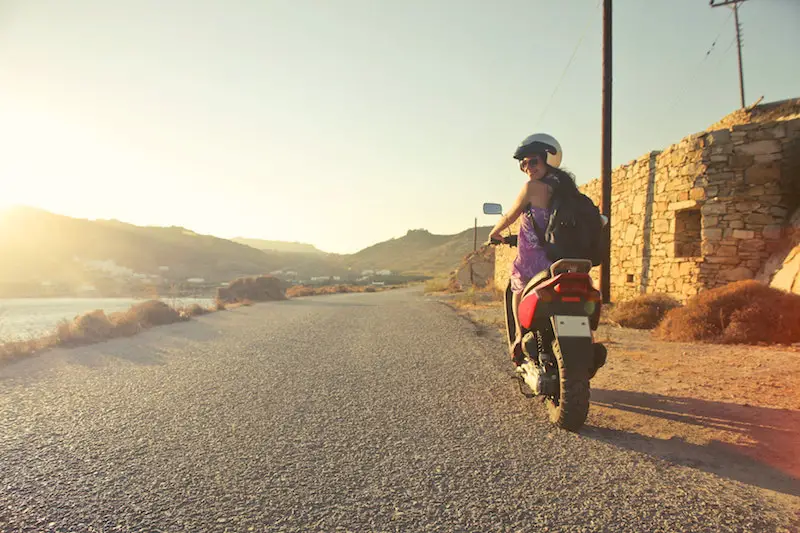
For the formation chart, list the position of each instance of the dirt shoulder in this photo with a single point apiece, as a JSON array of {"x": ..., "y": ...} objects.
[{"x": 732, "y": 410}]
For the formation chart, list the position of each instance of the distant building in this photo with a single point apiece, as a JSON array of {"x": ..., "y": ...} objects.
[
  {"x": 383, "y": 273},
  {"x": 367, "y": 272},
  {"x": 196, "y": 280}
]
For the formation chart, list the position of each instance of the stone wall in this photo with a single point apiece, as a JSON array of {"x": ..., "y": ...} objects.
[{"x": 706, "y": 211}]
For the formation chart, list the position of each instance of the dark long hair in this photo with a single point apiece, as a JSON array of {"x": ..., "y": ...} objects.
[{"x": 565, "y": 180}]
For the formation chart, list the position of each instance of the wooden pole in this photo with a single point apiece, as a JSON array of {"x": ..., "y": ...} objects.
[
  {"x": 739, "y": 47},
  {"x": 605, "y": 196}
]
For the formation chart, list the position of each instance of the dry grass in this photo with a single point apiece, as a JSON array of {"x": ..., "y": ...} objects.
[
  {"x": 476, "y": 297},
  {"x": 437, "y": 285},
  {"x": 744, "y": 312},
  {"x": 642, "y": 312},
  {"x": 305, "y": 290},
  {"x": 96, "y": 326}
]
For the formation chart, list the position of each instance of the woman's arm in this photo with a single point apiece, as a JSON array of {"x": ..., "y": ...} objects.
[{"x": 516, "y": 210}]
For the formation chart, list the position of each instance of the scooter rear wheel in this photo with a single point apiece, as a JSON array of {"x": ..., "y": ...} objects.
[{"x": 570, "y": 406}]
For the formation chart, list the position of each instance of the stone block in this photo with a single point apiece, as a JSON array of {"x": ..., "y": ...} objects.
[
  {"x": 714, "y": 208},
  {"x": 720, "y": 177},
  {"x": 727, "y": 251},
  {"x": 722, "y": 260},
  {"x": 736, "y": 224},
  {"x": 712, "y": 234},
  {"x": 737, "y": 274},
  {"x": 721, "y": 149},
  {"x": 746, "y": 207},
  {"x": 742, "y": 161},
  {"x": 767, "y": 158},
  {"x": 752, "y": 245},
  {"x": 743, "y": 234},
  {"x": 765, "y": 173},
  {"x": 630, "y": 234},
  {"x": 685, "y": 268},
  {"x": 685, "y": 204},
  {"x": 697, "y": 193},
  {"x": 759, "y": 147},
  {"x": 757, "y": 218}
]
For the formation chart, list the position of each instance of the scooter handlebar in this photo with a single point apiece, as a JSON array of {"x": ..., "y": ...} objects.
[{"x": 510, "y": 240}]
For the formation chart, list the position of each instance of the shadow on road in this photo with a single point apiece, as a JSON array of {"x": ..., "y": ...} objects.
[{"x": 754, "y": 445}]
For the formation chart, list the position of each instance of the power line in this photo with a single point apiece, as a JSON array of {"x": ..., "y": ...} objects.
[
  {"x": 696, "y": 69},
  {"x": 566, "y": 68},
  {"x": 735, "y": 4}
]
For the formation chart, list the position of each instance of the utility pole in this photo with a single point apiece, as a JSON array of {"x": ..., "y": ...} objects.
[
  {"x": 605, "y": 193},
  {"x": 474, "y": 249},
  {"x": 735, "y": 4}
]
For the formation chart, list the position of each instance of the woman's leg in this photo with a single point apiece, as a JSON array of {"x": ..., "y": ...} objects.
[{"x": 516, "y": 347}]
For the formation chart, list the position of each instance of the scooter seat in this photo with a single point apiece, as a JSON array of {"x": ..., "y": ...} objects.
[{"x": 536, "y": 280}]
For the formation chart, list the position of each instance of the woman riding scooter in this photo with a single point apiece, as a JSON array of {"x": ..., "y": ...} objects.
[{"x": 539, "y": 157}]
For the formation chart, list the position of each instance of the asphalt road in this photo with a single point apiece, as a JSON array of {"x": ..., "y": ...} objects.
[{"x": 358, "y": 412}]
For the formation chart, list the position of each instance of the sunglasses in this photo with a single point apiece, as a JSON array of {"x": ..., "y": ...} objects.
[{"x": 529, "y": 162}]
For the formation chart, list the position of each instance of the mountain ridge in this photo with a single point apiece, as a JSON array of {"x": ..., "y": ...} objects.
[{"x": 66, "y": 254}]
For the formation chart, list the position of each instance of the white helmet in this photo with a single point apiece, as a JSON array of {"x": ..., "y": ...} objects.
[{"x": 539, "y": 143}]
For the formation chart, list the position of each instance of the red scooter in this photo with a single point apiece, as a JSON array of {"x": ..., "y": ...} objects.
[{"x": 558, "y": 311}]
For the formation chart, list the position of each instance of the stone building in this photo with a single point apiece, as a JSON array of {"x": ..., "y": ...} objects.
[{"x": 708, "y": 210}]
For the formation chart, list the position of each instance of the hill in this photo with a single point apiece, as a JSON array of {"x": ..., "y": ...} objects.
[
  {"x": 279, "y": 246},
  {"x": 68, "y": 253},
  {"x": 418, "y": 252},
  {"x": 55, "y": 255}
]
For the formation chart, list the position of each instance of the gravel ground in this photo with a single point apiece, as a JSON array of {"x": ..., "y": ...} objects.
[{"x": 357, "y": 412}]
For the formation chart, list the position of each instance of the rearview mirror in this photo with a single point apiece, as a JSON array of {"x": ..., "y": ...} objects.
[{"x": 492, "y": 209}]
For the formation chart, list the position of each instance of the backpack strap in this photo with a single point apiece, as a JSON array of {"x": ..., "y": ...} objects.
[{"x": 536, "y": 228}]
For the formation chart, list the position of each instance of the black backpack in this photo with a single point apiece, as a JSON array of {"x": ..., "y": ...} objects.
[{"x": 575, "y": 229}]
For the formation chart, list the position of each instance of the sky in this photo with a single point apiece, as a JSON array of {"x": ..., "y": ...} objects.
[{"x": 343, "y": 123}]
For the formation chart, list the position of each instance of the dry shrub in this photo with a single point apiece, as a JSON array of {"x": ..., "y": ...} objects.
[
  {"x": 254, "y": 289},
  {"x": 369, "y": 289},
  {"x": 643, "y": 312},
  {"x": 153, "y": 313},
  {"x": 193, "y": 310},
  {"x": 299, "y": 290},
  {"x": 96, "y": 326},
  {"x": 746, "y": 312},
  {"x": 219, "y": 305},
  {"x": 91, "y": 327},
  {"x": 13, "y": 349}
]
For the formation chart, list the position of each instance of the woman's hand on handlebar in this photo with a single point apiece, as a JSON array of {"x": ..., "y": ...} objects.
[{"x": 510, "y": 240}]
